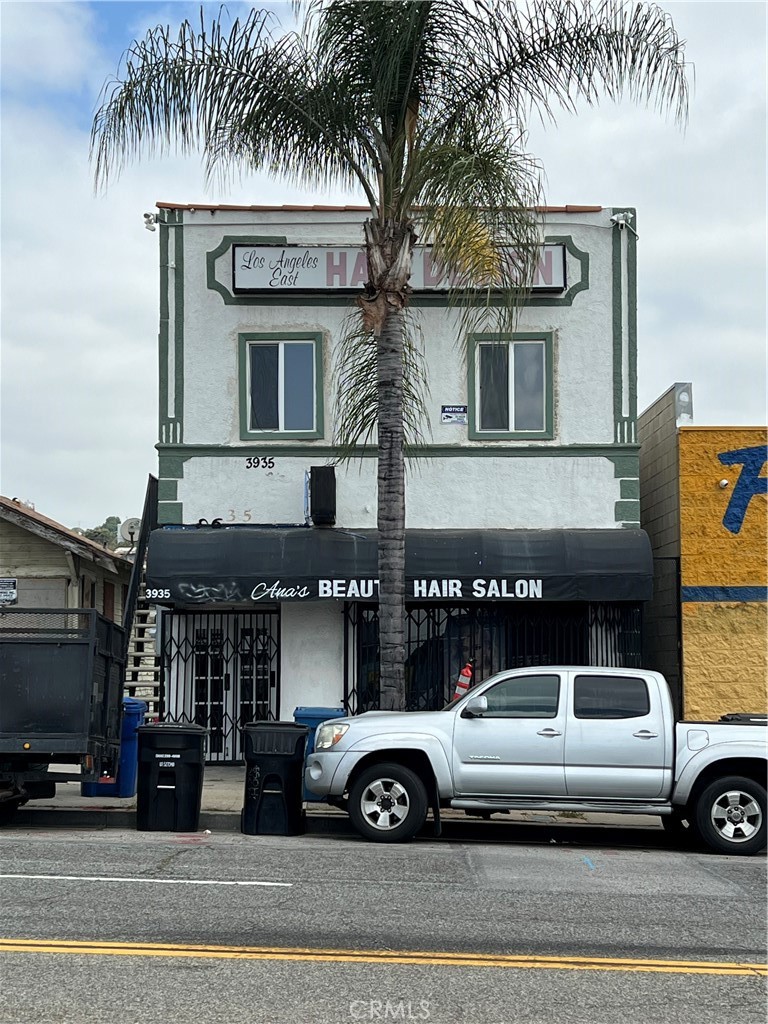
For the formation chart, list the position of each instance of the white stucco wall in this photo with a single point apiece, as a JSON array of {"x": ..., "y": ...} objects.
[
  {"x": 491, "y": 492},
  {"x": 583, "y": 331},
  {"x": 311, "y": 656},
  {"x": 441, "y": 493}
]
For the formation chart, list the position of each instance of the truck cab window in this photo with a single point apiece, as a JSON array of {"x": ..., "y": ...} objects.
[
  {"x": 610, "y": 697},
  {"x": 524, "y": 697}
]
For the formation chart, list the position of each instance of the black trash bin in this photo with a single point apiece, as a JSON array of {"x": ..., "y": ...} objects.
[
  {"x": 170, "y": 777},
  {"x": 274, "y": 779}
]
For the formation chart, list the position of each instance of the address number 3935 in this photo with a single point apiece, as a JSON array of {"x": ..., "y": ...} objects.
[
  {"x": 157, "y": 594},
  {"x": 254, "y": 462}
]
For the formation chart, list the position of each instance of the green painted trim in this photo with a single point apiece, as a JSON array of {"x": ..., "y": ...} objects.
[
  {"x": 417, "y": 301},
  {"x": 512, "y": 435},
  {"x": 626, "y": 511},
  {"x": 170, "y": 427},
  {"x": 617, "y": 327},
  {"x": 626, "y": 465},
  {"x": 625, "y": 427},
  {"x": 630, "y": 488},
  {"x": 581, "y": 285},
  {"x": 623, "y": 455},
  {"x": 632, "y": 325},
  {"x": 170, "y": 513},
  {"x": 178, "y": 293},
  {"x": 225, "y": 244},
  {"x": 167, "y": 490},
  {"x": 170, "y": 465},
  {"x": 162, "y": 339},
  {"x": 243, "y": 340}
]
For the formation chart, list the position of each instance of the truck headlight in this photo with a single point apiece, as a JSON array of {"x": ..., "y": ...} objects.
[{"x": 328, "y": 735}]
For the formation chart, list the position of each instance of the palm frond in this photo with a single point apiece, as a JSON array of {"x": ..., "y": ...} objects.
[
  {"x": 247, "y": 97},
  {"x": 476, "y": 197},
  {"x": 554, "y": 53},
  {"x": 356, "y": 395}
]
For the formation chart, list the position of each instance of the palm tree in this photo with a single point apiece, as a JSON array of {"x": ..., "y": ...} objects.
[{"x": 421, "y": 104}]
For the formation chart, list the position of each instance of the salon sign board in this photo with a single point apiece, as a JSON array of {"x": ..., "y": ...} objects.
[{"x": 322, "y": 268}]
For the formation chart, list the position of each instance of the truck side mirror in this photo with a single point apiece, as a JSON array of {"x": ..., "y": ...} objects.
[{"x": 475, "y": 707}]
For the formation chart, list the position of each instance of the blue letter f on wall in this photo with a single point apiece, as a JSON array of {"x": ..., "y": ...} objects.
[{"x": 747, "y": 486}]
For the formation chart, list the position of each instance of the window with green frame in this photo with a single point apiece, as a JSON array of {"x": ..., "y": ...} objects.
[
  {"x": 281, "y": 385},
  {"x": 510, "y": 386}
]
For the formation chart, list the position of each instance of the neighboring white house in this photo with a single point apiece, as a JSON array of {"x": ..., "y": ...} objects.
[{"x": 522, "y": 507}]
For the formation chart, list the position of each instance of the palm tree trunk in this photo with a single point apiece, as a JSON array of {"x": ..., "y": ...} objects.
[
  {"x": 391, "y": 510},
  {"x": 389, "y": 248}
]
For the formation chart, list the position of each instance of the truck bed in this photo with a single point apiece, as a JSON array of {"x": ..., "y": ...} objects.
[{"x": 61, "y": 674}]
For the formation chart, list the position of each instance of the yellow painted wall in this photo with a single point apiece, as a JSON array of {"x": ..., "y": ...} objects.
[
  {"x": 725, "y": 658},
  {"x": 725, "y": 642},
  {"x": 712, "y": 555}
]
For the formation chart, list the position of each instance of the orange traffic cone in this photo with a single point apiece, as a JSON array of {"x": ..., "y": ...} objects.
[{"x": 464, "y": 681}]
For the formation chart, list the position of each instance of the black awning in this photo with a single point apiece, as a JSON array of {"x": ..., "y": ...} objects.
[{"x": 189, "y": 566}]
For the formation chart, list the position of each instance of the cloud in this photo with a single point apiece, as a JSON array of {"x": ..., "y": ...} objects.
[
  {"x": 80, "y": 274},
  {"x": 49, "y": 48}
]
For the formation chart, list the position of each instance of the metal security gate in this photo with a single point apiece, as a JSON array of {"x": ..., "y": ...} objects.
[
  {"x": 441, "y": 638},
  {"x": 221, "y": 670}
]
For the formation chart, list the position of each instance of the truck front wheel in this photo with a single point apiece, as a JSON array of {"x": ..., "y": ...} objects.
[
  {"x": 731, "y": 815},
  {"x": 388, "y": 803}
]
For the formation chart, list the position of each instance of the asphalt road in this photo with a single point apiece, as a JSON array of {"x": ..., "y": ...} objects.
[{"x": 128, "y": 928}]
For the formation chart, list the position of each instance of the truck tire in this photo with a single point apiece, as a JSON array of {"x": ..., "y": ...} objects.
[
  {"x": 8, "y": 810},
  {"x": 731, "y": 814},
  {"x": 388, "y": 803}
]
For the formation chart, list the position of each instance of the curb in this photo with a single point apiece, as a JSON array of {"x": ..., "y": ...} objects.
[
  {"x": 317, "y": 822},
  {"x": 215, "y": 821}
]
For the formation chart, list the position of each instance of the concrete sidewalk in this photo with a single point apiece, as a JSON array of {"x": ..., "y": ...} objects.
[{"x": 222, "y": 801}]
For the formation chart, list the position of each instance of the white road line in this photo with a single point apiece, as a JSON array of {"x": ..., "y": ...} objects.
[{"x": 150, "y": 881}]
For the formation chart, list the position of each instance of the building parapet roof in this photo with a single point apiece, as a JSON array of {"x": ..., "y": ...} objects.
[
  {"x": 14, "y": 511},
  {"x": 287, "y": 208}
]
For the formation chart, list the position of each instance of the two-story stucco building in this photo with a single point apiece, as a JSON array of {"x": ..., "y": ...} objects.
[{"x": 523, "y": 541}]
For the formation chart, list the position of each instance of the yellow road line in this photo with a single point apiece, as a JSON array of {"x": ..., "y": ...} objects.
[{"x": 384, "y": 956}]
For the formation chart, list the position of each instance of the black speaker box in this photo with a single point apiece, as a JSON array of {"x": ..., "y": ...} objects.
[{"x": 322, "y": 495}]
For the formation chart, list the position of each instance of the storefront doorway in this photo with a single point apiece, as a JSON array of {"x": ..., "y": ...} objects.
[
  {"x": 440, "y": 639},
  {"x": 221, "y": 670}
]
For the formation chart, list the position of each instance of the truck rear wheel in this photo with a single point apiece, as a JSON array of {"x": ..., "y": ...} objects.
[
  {"x": 731, "y": 816},
  {"x": 388, "y": 803},
  {"x": 8, "y": 810}
]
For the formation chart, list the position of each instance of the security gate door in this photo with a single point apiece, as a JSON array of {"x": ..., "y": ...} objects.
[{"x": 221, "y": 670}]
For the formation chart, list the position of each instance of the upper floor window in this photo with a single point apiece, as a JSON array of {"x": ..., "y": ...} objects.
[
  {"x": 281, "y": 385},
  {"x": 510, "y": 386}
]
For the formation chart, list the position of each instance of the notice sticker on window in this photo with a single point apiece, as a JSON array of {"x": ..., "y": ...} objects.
[{"x": 453, "y": 414}]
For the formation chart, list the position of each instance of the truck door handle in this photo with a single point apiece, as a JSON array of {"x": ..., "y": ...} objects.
[
  {"x": 644, "y": 734},
  {"x": 549, "y": 732}
]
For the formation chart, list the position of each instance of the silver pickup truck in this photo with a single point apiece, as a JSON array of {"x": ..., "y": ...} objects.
[{"x": 549, "y": 739}]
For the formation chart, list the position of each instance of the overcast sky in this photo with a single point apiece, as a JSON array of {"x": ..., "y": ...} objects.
[{"x": 79, "y": 273}]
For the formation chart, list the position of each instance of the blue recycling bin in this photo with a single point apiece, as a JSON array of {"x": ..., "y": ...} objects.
[
  {"x": 125, "y": 784},
  {"x": 312, "y": 717}
]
